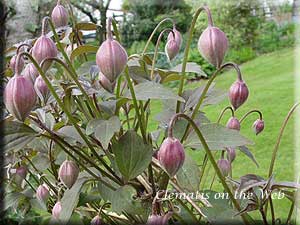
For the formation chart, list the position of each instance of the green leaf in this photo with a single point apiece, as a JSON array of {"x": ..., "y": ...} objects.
[
  {"x": 17, "y": 135},
  {"x": 41, "y": 161},
  {"x": 105, "y": 130},
  {"x": 71, "y": 197},
  {"x": 151, "y": 90},
  {"x": 248, "y": 153},
  {"x": 86, "y": 26},
  {"x": 132, "y": 155},
  {"x": 188, "y": 176},
  {"x": 83, "y": 49},
  {"x": 217, "y": 137},
  {"x": 71, "y": 134},
  {"x": 191, "y": 67}
]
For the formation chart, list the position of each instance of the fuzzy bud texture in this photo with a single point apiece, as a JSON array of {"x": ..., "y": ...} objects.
[
  {"x": 41, "y": 88},
  {"x": 233, "y": 123},
  {"x": 106, "y": 84},
  {"x": 111, "y": 59},
  {"x": 231, "y": 154},
  {"x": 59, "y": 16},
  {"x": 258, "y": 126},
  {"x": 213, "y": 45},
  {"x": 21, "y": 172},
  {"x": 42, "y": 193},
  {"x": 12, "y": 63},
  {"x": 44, "y": 48},
  {"x": 238, "y": 93},
  {"x": 173, "y": 44},
  {"x": 96, "y": 220},
  {"x": 159, "y": 220},
  {"x": 19, "y": 97},
  {"x": 171, "y": 155},
  {"x": 68, "y": 173},
  {"x": 30, "y": 72},
  {"x": 224, "y": 166},
  {"x": 56, "y": 210}
]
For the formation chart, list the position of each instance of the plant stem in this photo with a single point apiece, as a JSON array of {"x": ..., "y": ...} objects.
[
  {"x": 223, "y": 112},
  {"x": 250, "y": 112}
]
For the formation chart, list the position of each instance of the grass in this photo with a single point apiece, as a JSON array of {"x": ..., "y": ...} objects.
[{"x": 270, "y": 79}]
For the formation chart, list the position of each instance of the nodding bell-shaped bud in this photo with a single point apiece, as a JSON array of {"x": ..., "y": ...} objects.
[
  {"x": 56, "y": 210},
  {"x": 231, "y": 154},
  {"x": 238, "y": 93},
  {"x": 173, "y": 44},
  {"x": 68, "y": 173},
  {"x": 171, "y": 155},
  {"x": 42, "y": 193},
  {"x": 30, "y": 72},
  {"x": 96, "y": 220},
  {"x": 233, "y": 123},
  {"x": 21, "y": 172},
  {"x": 12, "y": 63},
  {"x": 258, "y": 126},
  {"x": 59, "y": 15},
  {"x": 106, "y": 84},
  {"x": 159, "y": 220},
  {"x": 19, "y": 97},
  {"x": 213, "y": 45},
  {"x": 41, "y": 89},
  {"x": 44, "y": 48},
  {"x": 224, "y": 166},
  {"x": 111, "y": 57}
]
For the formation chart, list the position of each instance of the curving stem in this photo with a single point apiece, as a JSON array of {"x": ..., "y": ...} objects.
[
  {"x": 205, "y": 90},
  {"x": 250, "y": 112},
  {"x": 109, "y": 33},
  {"x": 17, "y": 72},
  {"x": 223, "y": 112},
  {"x": 187, "y": 48},
  {"x": 210, "y": 157},
  {"x": 22, "y": 45},
  {"x": 156, "y": 49},
  {"x": 154, "y": 31}
]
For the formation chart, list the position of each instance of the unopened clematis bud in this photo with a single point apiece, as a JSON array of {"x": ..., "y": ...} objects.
[
  {"x": 12, "y": 63},
  {"x": 171, "y": 155},
  {"x": 213, "y": 45},
  {"x": 233, "y": 123},
  {"x": 30, "y": 72},
  {"x": 59, "y": 15},
  {"x": 41, "y": 89},
  {"x": 42, "y": 193},
  {"x": 231, "y": 154},
  {"x": 106, "y": 84},
  {"x": 159, "y": 220},
  {"x": 21, "y": 172},
  {"x": 224, "y": 166},
  {"x": 56, "y": 210},
  {"x": 111, "y": 57},
  {"x": 44, "y": 48},
  {"x": 173, "y": 44},
  {"x": 258, "y": 126},
  {"x": 96, "y": 220},
  {"x": 68, "y": 173},
  {"x": 19, "y": 97},
  {"x": 238, "y": 93}
]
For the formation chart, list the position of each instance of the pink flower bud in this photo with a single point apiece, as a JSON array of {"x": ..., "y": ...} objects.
[
  {"x": 96, "y": 220},
  {"x": 42, "y": 193},
  {"x": 44, "y": 48},
  {"x": 231, "y": 154},
  {"x": 173, "y": 44},
  {"x": 238, "y": 93},
  {"x": 68, "y": 173},
  {"x": 233, "y": 123},
  {"x": 213, "y": 45},
  {"x": 12, "y": 63},
  {"x": 30, "y": 72},
  {"x": 159, "y": 220},
  {"x": 21, "y": 172},
  {"x": 56, "y": 210},
  {"x": 258, "y": 126},
  {"x": 41, "y": 88},
  {"x": 106, "y": 84},
  {"x": 224, "y": 166},
  {"x": 171, "y": 155},
  {"x": 111, "y": 59},
  {"x": 19, "y": 97},
  {"x": 59, "y": 15}
]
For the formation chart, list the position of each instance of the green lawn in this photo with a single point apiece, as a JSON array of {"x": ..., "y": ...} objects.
[{"x": 270, "y": 79}]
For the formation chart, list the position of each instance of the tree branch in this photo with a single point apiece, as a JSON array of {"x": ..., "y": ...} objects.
[
  {"x": 86, "y": 12},
  {"x": 107, "y": 4}
]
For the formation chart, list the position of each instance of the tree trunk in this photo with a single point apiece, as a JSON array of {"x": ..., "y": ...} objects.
[
  {"x": 102, "y": 30},
  {"x": 16, "y": 26},
  {"x": 296, "y": 8}
]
